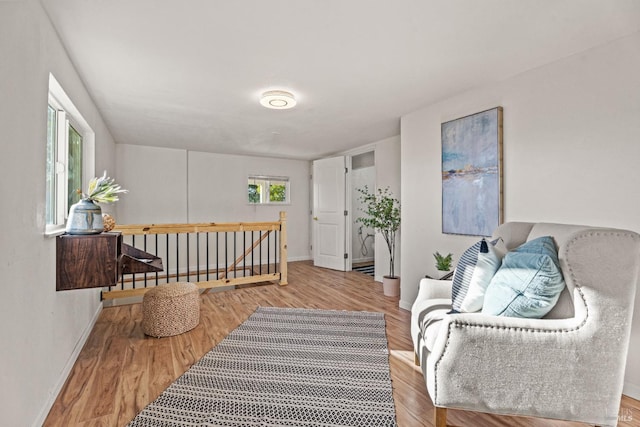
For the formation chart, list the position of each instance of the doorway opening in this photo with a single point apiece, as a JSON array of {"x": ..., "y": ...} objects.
[{"x": 363, "y": 243}]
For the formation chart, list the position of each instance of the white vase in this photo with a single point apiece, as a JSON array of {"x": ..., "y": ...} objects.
[
  {"x": 85, "y": 217},
  {"x": 391, "y": 286}
]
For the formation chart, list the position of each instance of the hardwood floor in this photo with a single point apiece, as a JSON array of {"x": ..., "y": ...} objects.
[{"x": 120, "y": 370}]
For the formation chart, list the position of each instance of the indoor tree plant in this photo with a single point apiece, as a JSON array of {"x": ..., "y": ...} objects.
[{"x": 382, "y": 213}]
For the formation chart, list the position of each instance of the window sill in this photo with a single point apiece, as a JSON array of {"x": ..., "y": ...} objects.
[{"x": 54, "y": 230}]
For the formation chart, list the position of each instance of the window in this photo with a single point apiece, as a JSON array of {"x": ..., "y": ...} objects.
[
  {"x": 70, "y": 148},
  {"x": 268, "y": 189}
]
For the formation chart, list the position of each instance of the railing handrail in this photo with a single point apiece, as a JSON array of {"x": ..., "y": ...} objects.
[{"x": 141, "y": 229}]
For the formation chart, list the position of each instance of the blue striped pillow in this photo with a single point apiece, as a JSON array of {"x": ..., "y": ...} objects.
[{"x": 464, "y": 272}]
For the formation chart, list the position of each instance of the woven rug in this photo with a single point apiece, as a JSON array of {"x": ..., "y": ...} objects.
[
  {"x": 366, "y": 269},
  {"x": 286, "y": 367}
]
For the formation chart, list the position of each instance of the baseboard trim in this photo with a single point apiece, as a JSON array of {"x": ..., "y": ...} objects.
[
  {"x": 405, "y": 305},
  {"x": 299, "y": 258},
  {"x": 631, "y": 390},
  {"x": 67, "y": 370}
]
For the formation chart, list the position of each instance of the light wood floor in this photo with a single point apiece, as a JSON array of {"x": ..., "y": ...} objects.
[{"x": 120, "y": 370}]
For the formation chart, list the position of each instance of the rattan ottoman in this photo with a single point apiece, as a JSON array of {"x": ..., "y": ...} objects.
[{"x": 170, "y": 309}]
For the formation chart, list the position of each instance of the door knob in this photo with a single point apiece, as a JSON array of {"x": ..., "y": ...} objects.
[{"x": 315, "y": 218}]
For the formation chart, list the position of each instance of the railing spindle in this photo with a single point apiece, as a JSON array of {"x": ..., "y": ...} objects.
[
  {"x": 252, "y": 252},
  {"x": 168, "y": 264},
  {"x": 260, "y": 260},
  {"x": 177, "y": 257},
  {"x": 188, "y": 257},
  {"x": 197, "y": 257},
  {"x": 156, "y": 254},
  {"x": 144, "y": 244},
  {"x": 133, "y": 276},
  {"x": 217, "y": 258}
]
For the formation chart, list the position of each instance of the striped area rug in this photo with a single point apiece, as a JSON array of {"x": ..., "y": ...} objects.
[
  {"x": 286, "y": 367},
  {"x": 366, "y": 269}
]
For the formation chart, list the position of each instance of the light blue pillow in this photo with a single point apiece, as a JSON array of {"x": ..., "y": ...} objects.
[{"x": 528, "y": 283}]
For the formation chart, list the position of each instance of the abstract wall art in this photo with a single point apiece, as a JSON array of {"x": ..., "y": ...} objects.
[{"x": 472, "y": 174}]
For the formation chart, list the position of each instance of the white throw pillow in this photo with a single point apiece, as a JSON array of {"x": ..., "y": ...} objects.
[
  {"x": 465, "y": 271},
  {"x": 486, "y": 267}
]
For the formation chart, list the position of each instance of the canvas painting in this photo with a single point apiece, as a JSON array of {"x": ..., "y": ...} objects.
[{"x": 472, "y": 174}]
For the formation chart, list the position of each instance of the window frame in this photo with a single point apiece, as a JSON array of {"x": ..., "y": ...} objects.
[
  {"x": 268, "y": 181},
  {"x": 66, "y": 115}
]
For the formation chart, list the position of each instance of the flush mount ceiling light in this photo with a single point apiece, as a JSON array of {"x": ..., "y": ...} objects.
[{"x": 278, "y": 100}]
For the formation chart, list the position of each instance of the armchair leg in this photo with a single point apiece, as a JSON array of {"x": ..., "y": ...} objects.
[
  {"x": 415, "y": 359},
  {"x": 441, "y": 417}
]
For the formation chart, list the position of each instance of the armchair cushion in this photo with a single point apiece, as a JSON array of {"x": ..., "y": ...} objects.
[{"x": 528, "y": 283}]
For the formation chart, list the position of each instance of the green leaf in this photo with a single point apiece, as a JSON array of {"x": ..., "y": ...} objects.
[{"x": 103, "y": 190}]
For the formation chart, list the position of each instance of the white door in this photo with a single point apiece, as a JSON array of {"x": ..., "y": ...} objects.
[{"x": 330, "y": 216}]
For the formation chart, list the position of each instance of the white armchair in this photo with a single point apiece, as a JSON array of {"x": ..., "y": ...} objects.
[{"x": 568, "y": 365}]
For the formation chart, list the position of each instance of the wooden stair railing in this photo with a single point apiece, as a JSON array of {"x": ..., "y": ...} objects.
[{"x": 211, "y": 269}]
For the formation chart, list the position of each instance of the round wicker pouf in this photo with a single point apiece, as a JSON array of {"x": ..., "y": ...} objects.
[{"x": 170, "y": 309}]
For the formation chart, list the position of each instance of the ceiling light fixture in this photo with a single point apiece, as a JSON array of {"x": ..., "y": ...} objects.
[{"x": 278, "y": 100}]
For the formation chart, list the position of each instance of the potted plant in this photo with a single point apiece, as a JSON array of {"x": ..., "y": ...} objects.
[
  {"x": 382, "y": 213},
  {"x": 443, "y": 263},
  {"x": 85, "y": 217}
]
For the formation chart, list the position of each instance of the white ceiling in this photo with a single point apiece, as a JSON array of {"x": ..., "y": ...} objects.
[{"x": 188, "y": 74}]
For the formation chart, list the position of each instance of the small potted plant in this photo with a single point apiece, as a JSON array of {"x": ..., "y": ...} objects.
[
  {"x": 443, "y": 263},
  {"x": 382, "y": 213},
  {"x": 85, "y": 217}
]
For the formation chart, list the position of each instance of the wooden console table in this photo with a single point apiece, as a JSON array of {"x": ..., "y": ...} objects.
[{"x": 98, "y": 260}]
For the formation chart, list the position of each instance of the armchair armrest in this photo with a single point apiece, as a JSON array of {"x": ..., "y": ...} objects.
[
  {"x": 430, "y": 292},
  {"x": 434, "y": 289}
]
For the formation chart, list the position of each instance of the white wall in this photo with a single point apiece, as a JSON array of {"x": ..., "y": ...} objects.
[
  {"x": 43, "y": 330},
  {"x": 174, "y": 186},
  {"x": 157, "y": 182},
  {"x": 571, "y": 152}
]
